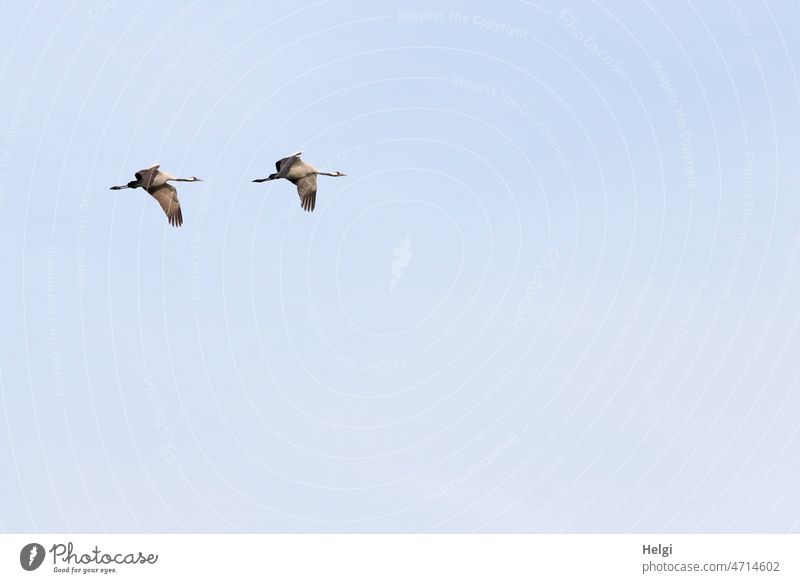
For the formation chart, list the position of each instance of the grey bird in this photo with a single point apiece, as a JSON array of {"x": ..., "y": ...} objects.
[
  {"x": 155, "y": 182},
  {"x": 301, "y": 174}
]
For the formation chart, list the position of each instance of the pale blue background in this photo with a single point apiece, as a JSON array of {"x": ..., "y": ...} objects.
[{"x": 595, "y": 331}]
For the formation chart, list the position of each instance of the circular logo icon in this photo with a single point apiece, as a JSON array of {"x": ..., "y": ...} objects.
[{"x": 31, "y": 556}]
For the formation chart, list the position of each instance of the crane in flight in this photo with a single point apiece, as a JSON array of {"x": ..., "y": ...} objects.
[
  {"x": 301, "y": 174},
  {"x": 156, "y": 182}
]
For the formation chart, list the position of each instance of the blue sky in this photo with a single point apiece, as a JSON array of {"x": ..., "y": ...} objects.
[{"x": 556, "y": 292}]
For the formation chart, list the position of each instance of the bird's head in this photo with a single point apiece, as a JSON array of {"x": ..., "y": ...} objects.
[
  {"x": 194, "y": 179},
  {"x": 337, "y": 173}
]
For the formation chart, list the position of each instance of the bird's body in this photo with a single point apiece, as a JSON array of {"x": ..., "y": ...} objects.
[
  {"x": 156, "y": 182},
  {"x": 301, "y": 174}
]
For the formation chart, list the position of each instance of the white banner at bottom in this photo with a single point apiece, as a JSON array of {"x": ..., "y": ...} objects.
[{"x": 353, "y": 558}]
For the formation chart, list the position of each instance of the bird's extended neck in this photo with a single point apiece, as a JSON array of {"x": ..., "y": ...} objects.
[
  {"x": 322, "y": 173},
  {"x": 190, "y": 179},
  {"x": 131, "y": 184}
]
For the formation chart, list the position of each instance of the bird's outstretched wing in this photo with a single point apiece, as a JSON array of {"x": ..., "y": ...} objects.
[
  {"x": 146, "y": 176},
  {"x": 283, "y": 165},
  {"x": 307, "y": 189},
  {"x": 167, "y": 197},
  {"x": 288, "y": 160}
]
